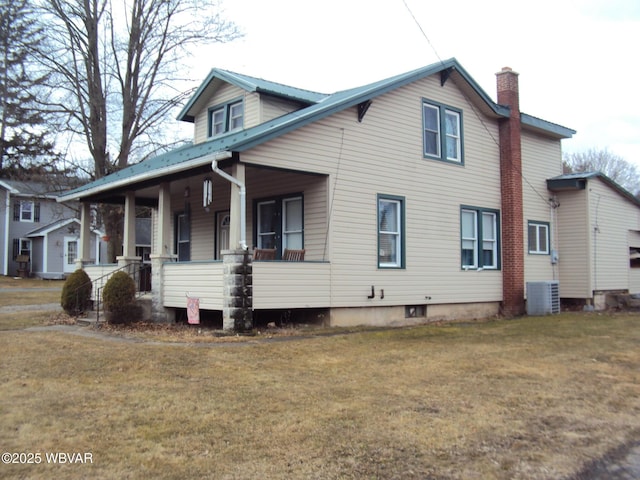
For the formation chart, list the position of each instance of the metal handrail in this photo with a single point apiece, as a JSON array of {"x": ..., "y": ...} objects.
[{"x": 137, "y": 270}]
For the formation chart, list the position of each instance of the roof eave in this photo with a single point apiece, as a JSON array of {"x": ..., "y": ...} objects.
[
  {"x": 548, "y": 128},
  {"x": 81, "y": 193}
]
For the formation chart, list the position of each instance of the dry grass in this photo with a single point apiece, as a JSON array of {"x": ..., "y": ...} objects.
[
  {"x": 29, "y": 291},
  {"x": 528, "y": 398},
  {"x": 18, "y": 294}
]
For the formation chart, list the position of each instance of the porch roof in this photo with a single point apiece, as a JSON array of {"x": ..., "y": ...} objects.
[
  {"x": 194, "y": 157},
  {"x": 578, "y": 181}
]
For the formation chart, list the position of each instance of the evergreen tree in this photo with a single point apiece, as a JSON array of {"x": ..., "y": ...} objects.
[{"x": 25, "y": 146}]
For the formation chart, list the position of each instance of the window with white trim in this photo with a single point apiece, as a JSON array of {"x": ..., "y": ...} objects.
[
  {"x": 442, "y": 132},
  {"x": 226, "y": 118},
  {"x": 279, "y": 223},
  {"x": 21, "y": 246},
  {"x": 479, "y": 238},
  {"x": 26, "y": 211},
  {"x": 538, "y": 237},
  {"x": 390, "y": 232},
  {"x": 183, "y": 234}
]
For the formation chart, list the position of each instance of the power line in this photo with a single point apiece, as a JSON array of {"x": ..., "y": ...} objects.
[{"x": 424, "y": 34}]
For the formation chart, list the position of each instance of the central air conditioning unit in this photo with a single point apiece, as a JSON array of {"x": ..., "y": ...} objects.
[{"x": 543, "y": 298}]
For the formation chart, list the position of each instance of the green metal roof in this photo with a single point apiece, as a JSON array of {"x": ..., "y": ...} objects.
[{"x": 320, "y": 106}]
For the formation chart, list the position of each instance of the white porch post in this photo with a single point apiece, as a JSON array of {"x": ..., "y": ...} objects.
[
  {"x": 161, "y": 253},
  {"x": 235, "y": 212},
  {"x": 84, "y": 243},
  {"x": 129, "y": 234}
]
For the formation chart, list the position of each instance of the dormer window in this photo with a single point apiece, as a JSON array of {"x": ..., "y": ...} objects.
[{"x": 226, "y": 118}]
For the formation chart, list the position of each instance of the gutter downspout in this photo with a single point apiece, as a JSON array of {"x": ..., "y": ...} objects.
[{"x": 243, "y": 194}]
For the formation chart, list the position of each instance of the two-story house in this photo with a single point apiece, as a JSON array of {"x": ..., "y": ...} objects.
[
  {"x": 38, "y": 235},
  {"x": 413, "y": 198}
]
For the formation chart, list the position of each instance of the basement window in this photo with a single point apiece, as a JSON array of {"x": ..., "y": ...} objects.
[{"x": 415, "y": 311}]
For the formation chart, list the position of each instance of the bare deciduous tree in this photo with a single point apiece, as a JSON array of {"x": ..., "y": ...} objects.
[
  {"x": 613, "y": 166},
  {"x": 117, "y": 68}
]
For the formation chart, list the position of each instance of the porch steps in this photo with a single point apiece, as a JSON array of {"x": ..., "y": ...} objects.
[
  {"x": 91, "y": 317},
  {"x": 88, "y": 318}
]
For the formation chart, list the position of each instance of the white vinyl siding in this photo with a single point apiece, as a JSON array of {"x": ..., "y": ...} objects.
[
  {"x": 540, "y": 161},
  {"x": 375, "y": 155},
  {"x": 574, "y": 240}
]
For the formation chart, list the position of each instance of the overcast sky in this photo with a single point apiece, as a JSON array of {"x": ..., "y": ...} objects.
[{"x": 578, "y": 60}]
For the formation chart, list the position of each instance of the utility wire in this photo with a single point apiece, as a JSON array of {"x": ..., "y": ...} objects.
[{"x": 424, "y": 34}]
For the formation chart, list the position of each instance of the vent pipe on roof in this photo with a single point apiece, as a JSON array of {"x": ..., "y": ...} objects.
[{"x": 243, "y": 194}]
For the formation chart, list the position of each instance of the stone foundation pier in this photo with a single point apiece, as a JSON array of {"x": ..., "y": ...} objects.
[{"x": 237, "y": 311}]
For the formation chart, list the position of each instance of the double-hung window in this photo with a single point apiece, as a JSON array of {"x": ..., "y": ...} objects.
[
  {"x": 280, "y": 223},
  {"x": 226, "y": 118},
  {"x": 26, "y": 211},
  {"x": 442, "y": 132},
  {"x": 538, "y": 233},
  {"x": 390, "y": 232},
  {"x": 479, "y": 238},
  {"x": 21, "y": 246}
]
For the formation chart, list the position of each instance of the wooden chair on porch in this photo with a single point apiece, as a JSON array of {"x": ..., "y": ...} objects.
[
  {"x": 291, "y": 255},
  {"x": 264, "y": 254}
]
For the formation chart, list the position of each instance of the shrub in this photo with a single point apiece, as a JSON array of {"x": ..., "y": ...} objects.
[
  {"x": 76, "y": 293},
  {"x": 118, "y": 298}
]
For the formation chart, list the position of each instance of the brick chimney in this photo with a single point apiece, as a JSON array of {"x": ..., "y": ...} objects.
[{"x": 511, "y": 185}]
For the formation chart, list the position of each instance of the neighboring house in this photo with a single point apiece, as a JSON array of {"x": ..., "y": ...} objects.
[
  {"x": 38, "y": 235},
  {"x": 414, "y": 198}
]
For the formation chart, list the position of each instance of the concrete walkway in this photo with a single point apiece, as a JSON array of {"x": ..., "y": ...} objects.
[{"x": 623, "y": 463}]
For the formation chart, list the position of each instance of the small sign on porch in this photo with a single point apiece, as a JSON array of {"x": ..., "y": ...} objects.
[{"x": 193, "y": 310}]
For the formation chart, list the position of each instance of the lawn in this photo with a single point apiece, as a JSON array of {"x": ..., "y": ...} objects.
[
  {"x": 18, "y": 294},
  {"x": 531, "y": 398}
]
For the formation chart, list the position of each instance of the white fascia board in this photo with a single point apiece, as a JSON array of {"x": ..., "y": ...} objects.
[{"x": 160, "y": 172}]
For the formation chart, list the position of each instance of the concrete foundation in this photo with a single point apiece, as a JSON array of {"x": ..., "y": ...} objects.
[{"x": 396, "y": 315}]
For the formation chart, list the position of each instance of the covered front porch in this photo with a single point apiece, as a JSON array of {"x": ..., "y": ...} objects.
[{"x": 207, "y": 223}]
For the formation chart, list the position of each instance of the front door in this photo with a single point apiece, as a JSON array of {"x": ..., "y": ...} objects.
[
  {"x": 70, "y": 254},
  {"x": 223, "y": 220}
]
